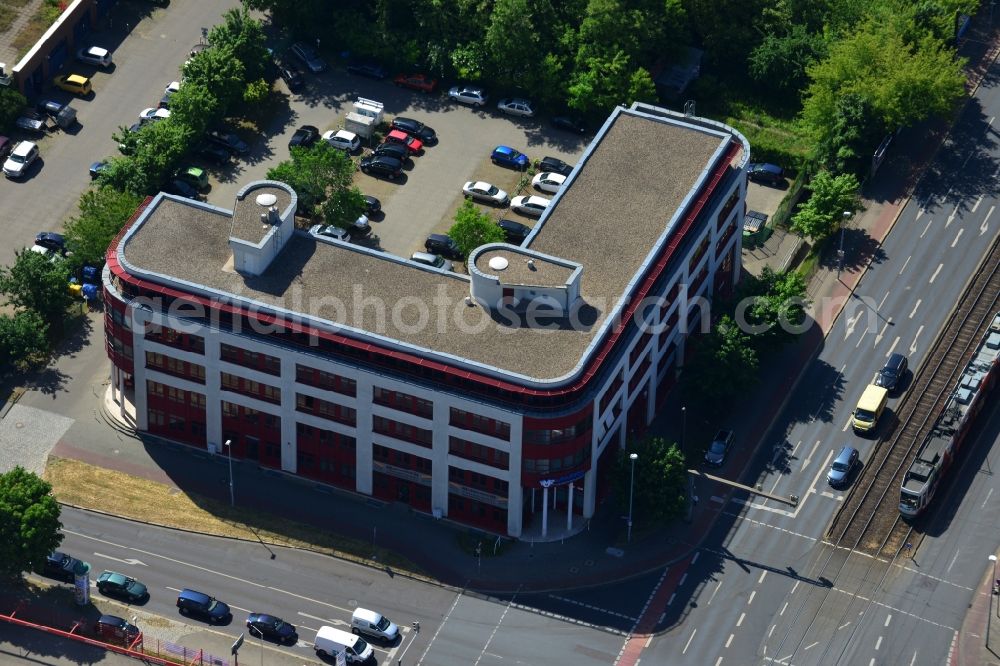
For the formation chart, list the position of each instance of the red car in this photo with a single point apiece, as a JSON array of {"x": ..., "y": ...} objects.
[
  {"x": 413, "y": 145},
  {"x": 421, "y": 82}
]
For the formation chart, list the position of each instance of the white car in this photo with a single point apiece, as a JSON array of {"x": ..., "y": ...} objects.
[
  {"x": 20, "y": 159},
  {"x": 516, "y": 106},
  {"x": 531, "y": 206},
  {"x": 94, "y": 55},
  {"x": 547, "y": 181},
  {"x": 330, "y": 231},
  {"x": 480, "y": 191},
  {"x": 473, "y": 95},
  {"x": 171, "y": 88},
  {"x": 151, "y": 113},
  {"x": 343, "y": 140}
]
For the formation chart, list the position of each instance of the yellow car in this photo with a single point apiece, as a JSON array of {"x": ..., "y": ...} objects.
[{"x": 74, "y": 83}]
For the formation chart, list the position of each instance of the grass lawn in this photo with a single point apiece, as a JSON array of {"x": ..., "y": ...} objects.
[{"x": 84, "y": 485}]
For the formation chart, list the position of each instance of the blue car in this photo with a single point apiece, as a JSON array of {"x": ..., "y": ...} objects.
[{"x": 508, "y": 157}]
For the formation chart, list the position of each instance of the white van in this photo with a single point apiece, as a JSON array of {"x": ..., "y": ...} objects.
[
  {"x": 374, "y": 624},
  {"x": 332, "y": 642}
]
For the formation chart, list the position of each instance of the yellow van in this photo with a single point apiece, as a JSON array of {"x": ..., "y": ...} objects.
[
  {"x": 869, "y": 408},
  {"x": 74, "y": 83}
]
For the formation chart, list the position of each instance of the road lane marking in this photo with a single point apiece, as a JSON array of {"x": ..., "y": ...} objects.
[
  {"x": 783, "y": 609},
  {"x": 315, "y": 601},
  {"x": 878, "y": 643},
  {"x": 648, "y": 641},
  {"x": 861, "y": 339},
  {"x": 717, "y": 661},
  {"x": 695, "y": 558},
  {"x": 671, "y": 600},
  {"x": 978, "y": 201},
  {"x": 846, "y": 624},
  {"x": 739, "y": 622},
  {"x": 952, "y": 563},
  {"x": 688, "y": 644},
  {"x": 913, "y": 346},
  {"x": 440, "y": 626},
  {"x": 496, "y": 627},
  {"x": 195, "y": 566},
  {"x": 326, "y": 620},
  {"x": 714, "y": 592},
  {"x": 87, "y": 536},
  {"x": 729, "y": 640},
  {"x": 882, "y": 302},
  {"x": 893, "y": 347},
  {"x": 805, "y": 463},
  {"x": 753, "y": 593},
  {"x": 771, "y": 631},
  {"x": 811, "y": 645},
  {"x": 919, "y": 301},
  {"x": 132, "y": 561},
  {"x": 888, "y": 619},
  {"x": 985, "y": 225},
  {"x": 957, "y": 236},
  {"x": 934, "y": 277},
  {"x": 922, "y": 233},
  {"x": 761, "y": 579},
  {"x": 904, "y": 266},
  {"x": 983, "y": 506},
  {"x": 794, "y": 587},
  {"x": 683, "y": 578},
  {"x": 592, "y": 607},
  {"x": 914, "y": 659},
  {"x": 951, "y": 218}
]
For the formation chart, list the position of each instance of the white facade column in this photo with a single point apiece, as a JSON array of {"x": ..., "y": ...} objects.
[
  {"x": 515, "y": 501},
  {"x": 569, "y": 507},
  {"x": 545, "y": 511},
  {"x": 590, "y": 492},
  {"x": 532, "y": 500},
  {"x": 213, "y": 385},
  {"x": 289, "y": 434},
  {"x": 439, "y": 456},
  {"x": 363, "y": 450},
  {"x": 140, "y": 318},
  {"x": 515, "y": 492}
]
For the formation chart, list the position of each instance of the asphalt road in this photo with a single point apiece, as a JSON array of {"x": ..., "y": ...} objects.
[{"x": 311, "y": 590}]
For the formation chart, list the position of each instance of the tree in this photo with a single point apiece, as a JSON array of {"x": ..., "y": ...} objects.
[
  {"x": 219, "y": 71},
  {"x": 12, "y": 103},
  {"x": 314, "y": 170},
  {"x": 724, "y": 363},
  {"x": 23, "y": 339},
  {"x": 779, "y": 62},
  {"x": 853, "y": 135},
  {"x": 37, "y": 283},
  {"x": 245, "y": 39},
  {"x": 659, "y": 489},
  {"x": 196, "y": 107},
  {"x": 256, "y": 92},
  {"x": 831, "y": 196},
  {"x": 601, "y": 83},
  {"x": 473, "y": 228},
  {"x": 103, "y": 213},
  {"x": 29, "y": 521},
  {"x": 343, "y": 206},
  {"x": 775, "y": 306}
]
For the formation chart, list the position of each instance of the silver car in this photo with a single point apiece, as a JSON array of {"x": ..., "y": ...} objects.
[
  {"x": 516, "y": 106},
  {"x": 94, "y": 55},
  {"x": 481, "y": 191},
  {"x": 472, "y": 95}
]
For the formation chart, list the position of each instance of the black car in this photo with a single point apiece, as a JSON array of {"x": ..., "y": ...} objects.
[
  {"x": 771, "y": 174},
  {"x": 372, "y": 205},
  {"x": 415, "y": 128},
  {"x": 229, "y": 141},
  {"x": 49, "y": 107},
  {"x": 291, "y": 76},
  {"x": 514, "y": 231},
  {"x": 309, "y": 57},
  {"x": 382, "y": 165},
  {"x": 180, "y": 188},
  {"x": 213, "y": 153},
  {"x": 368, "y": 68},
  {"x": 164, "y": 102},
  {"x": 272, "y": 628},
  {"x": 304, "y": 136},
  {"x": 443, "y": 245},
  {"x": 60, "y": 566},
  {"x": 190, "y": 602},
  {"x": 570, "y": 124},
  {"x": 892, "y": 373},
  {"x": 395, "y": 150},
  {"x": 113, "y": 584},
  {"x": 555, "y": 165},
  {"x": 52, "y": 241}
]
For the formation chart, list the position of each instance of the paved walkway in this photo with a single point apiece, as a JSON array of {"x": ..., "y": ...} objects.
[{"x": 8, "y": 54}]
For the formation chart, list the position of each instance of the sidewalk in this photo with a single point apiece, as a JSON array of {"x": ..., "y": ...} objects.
[{"x": 977, "y": 642}]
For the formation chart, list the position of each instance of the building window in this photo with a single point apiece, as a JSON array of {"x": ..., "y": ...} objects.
[
  {"x": 251, "y": 388},
  {"x": 404, "y": 402},
  {"x": 479, "y": 453},
  {"x": 171, "y": 338},
  {"x": 403, "y": 431},
  {"x": 481, "y": 424},
  {"x": 327, "y": 410},
  {"x": 176, "y": 367},
  {"x": 249, "y": 359},
  {"x": 325, "y": 380}
]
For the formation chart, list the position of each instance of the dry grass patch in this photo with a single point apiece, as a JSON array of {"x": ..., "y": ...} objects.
[
  {"x": 44, "y": 16},
  {"x": 7, "y": 16},
  {"x": 84, "y": 485}
]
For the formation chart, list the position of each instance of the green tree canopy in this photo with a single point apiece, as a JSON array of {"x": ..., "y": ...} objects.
[
  {"x": 775, "y": 305},
  {"x": 659, "y": 491},
  {"x": 244, "y": 36},
  {"x": 724, "y": 363},
  {"x": 313, "y": 171},
  {"x": 473, "y": 228},
  {"x": 831, "y": 196},
  {"x": 24, "y": 339},
  {"x": 343, "y": 206},
  {"x": 195, "y": 106},
  {"x": 29, "y": 521},
  {"x": 12, "y": 103},
  {"x": 103, "y": 213},
  {"x": 219, "y": 71},
  {"x": 37, "y": 283}
]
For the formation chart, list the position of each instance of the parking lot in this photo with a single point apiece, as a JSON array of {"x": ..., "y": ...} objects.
[{"x": 425, "y": 199}]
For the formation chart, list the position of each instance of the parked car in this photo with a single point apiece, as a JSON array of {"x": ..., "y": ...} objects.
[
  {"x": 432, "y": 260},
  {"x": 113, "y": 584},
  {"x": 517, "y": 106},
  {"x": 413, "y": 145},
  {"x": 415, "y": 128},
  {"x": 420, "y": 82},
  {"x": 291, "y": 75},
  {"x": 73, "y": 83},
  {"x": 94, "y": 55},
  {"x": 190, "y": 602},
  {"x": 330, "y": 231},
  {"x": 309, "y": 57},
  {"x": 382, "y": 165},
  {"x": 228, "y": 140},
  {"x": 20, "y": 159},
  {"x": 548, "y": 181},
  {"x": 374, "y": 624},
  {"x": 719, "y": 448},
  {"x": 892, "y": 373},
  {"x": 127, "y": 146},
  {"x": 368, "y": 68},
  {"x": 213, "y": 153},
  {"x": 443, "y": 245},
  {"x": 60, "y": 566},
  {"x": 171, "y": 88},
  {"x": 151, "y": 114},
  {"x": 180, "y": 188},
  {"x": 96, "y": 168},
  {"x": 396, "y": 150},
  {"x": 515, "y": 232},
  {"x": 272, "y": 628},
  {"x": 343, "y": 140},
  {"x": 51, "y": 240},
  {"x": 467, "y": 94},
  {"x": 193, "y": 176},
  {"x": 571, "y": 124},
  {"x": 372, "y": 205},
  {"x": 114, "y": 629},
  {"x": 555, "y": 165},
  {"x": 304, "y": 137},
  {"x": 508, "y": 157},
  {"x": 842, "y": 466},
  {"x": 532, "y": 206},
  {"x": 771, "y": 174},
  {"x": 482, "y": 191}
]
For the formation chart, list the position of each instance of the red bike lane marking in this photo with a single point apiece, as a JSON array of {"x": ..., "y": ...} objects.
[{"x": 655, "y": 607}]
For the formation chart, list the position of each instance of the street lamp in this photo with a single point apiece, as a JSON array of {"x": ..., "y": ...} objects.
[
  {"x": 229, "y": 448},
  {"x": 840, "y": 253},
  {"x": 631, "y": 487},
  {"x": 684, "y": 422}
]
